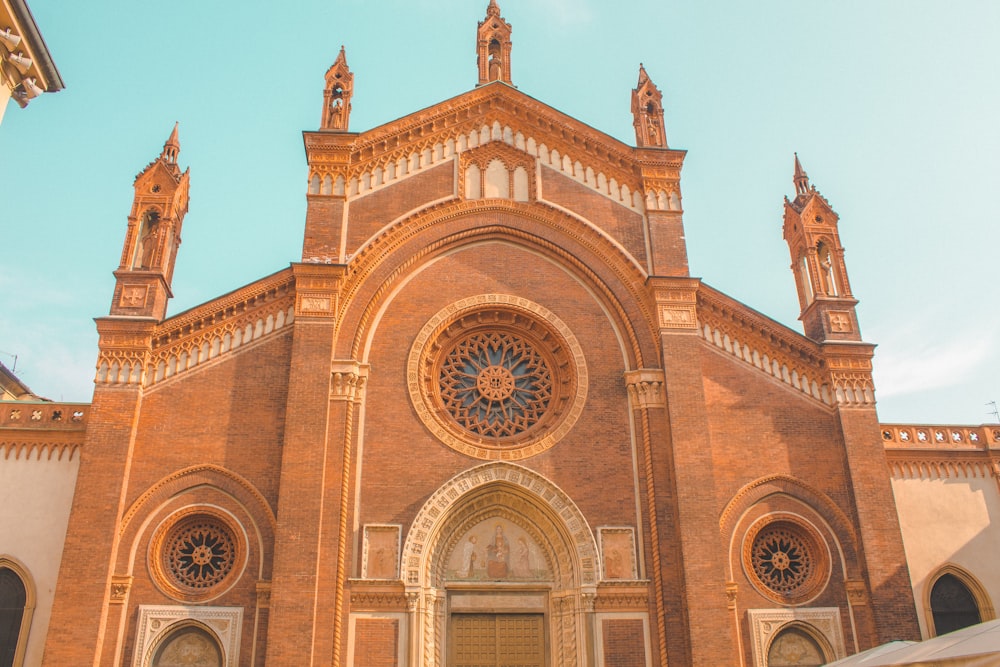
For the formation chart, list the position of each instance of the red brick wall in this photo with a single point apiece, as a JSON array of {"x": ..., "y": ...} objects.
[
  {"x": 624, "y": 643},
  {"x": 376, "y": 642}
]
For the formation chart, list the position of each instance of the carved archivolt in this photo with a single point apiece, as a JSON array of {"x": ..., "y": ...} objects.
[{"x": 539, "y": 502}]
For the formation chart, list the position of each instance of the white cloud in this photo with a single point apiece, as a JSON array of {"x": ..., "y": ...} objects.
[{"x": 908, "y": 362}]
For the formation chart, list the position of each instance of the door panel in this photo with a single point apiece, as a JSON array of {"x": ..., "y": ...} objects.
[{"x": 497, "y": 640}]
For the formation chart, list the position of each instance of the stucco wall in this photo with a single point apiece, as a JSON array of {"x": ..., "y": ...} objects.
[
  {"x": 949, "y": 521},
  {"x": 35, "y": 499}
]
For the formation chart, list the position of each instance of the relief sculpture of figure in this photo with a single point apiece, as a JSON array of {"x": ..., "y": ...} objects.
[
  {"x": 469, "y": 557},
  {"x": 522, "y": 559},
  {"x": 497, "y": 553}
]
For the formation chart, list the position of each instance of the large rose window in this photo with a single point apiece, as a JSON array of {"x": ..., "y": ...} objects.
[
  {"x": 497, "y": 377},
  {"x": 787, "y": 560},
  {"x": 197, "y": 554}
]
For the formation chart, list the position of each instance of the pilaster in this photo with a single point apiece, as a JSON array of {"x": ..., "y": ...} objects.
[
  {"x": 701, "y": 566},
  {"x": 302, "y": 599},
  {"x": 89, "y": 600},
  {"x": 890, "y": 601}
]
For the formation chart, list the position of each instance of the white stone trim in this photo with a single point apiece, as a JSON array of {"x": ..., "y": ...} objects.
[
  {"x": 157, "y": 621},
  {"x": 765, "y": 624}
]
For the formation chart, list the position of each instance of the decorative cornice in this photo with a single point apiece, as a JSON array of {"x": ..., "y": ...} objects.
[{"x": 766, "y": 345}]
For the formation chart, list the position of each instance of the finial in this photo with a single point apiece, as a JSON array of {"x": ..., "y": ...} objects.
[
  {"x": 493, "y": 9},
  {"x": 643, "y": 77},
  {"x": 801, "y": 179},
  {"x": 172, "y": 146}
]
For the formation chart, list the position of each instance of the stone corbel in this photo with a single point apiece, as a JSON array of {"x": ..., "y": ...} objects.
[
  {"x": 731, "y": 590},
  {"x": 263, "y": 594},
  {"x": 120, "y": 586},
  {"x": 857, "y": 592},
  {"x": 645, "y": 388},
  {"x": 348, "y": 380}
]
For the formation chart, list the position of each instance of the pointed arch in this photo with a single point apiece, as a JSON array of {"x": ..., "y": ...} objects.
[
  {"x": 17, "y": 599},
  {"x": 949, "y": 584}
]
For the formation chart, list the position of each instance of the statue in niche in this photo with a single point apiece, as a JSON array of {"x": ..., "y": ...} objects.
[
  {"x": 497, "y": 555},
  {"x": 826, "y": 264},
  {"x": 337, "y": 113},
  {"x": 652, "y": 132},
  {"x": 494, "y": 66},
  {"x": 150, "y": 235}
]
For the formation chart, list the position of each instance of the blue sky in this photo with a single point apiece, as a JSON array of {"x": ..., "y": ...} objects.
[{"x": 893, "y": 107}]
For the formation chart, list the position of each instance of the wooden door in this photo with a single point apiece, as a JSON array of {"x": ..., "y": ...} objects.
[{"x": 497, "y": 640}]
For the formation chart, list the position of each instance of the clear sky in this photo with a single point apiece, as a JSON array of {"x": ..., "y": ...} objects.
[{"x": 893, "y": 107}]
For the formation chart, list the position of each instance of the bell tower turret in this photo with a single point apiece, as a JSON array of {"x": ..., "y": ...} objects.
[
  {"x": 825, "y": 299},
  {"x": 493, "y": 46},
  {"x": 142, "y": 281},
  {"x": 337, "y": 95},
  {"x": 647, "y": 113}
]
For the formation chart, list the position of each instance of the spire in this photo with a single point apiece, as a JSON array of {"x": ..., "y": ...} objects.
[
  {"x": 801, "y": 178},
  {"x": 647, "y": 113},
  {"x": 153, "y": 235},
  {"x": 811, "y": 231},
  {"x": 337, "y": 95},
  {"x": 172, "y": 147},
  {"x": 493, "y": 46}
]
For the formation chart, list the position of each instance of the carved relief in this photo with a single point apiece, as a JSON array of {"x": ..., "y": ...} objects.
[
  {"x": 133, "y": 296},
  {"x": 618, "y": 553},
  {"x": 645, "y": 388},
  {"x": 120, "y": 585},
  {"x": 380, "y": 557},
  {"x": 840, "y": 321},
  {"x": 348, "y": 381}
]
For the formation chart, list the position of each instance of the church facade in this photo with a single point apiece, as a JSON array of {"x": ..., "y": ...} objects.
[{"x": 489, "y": 418}]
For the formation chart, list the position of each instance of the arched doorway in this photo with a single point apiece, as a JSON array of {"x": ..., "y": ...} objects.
[{"x": 499, "y": 564}]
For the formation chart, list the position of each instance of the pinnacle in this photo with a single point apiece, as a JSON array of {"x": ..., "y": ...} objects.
[
  {"x": 493, "y": 9},
  {"x": 643, "y": 77},
  {"x": 173, "y": 140},
  {"x": 800, "y": 178},
  {"x": 172, "y": 146}
]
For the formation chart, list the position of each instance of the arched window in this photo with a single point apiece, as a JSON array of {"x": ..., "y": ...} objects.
[
  {"x": 16, "y": 605},
  {"x": 190, "y": 645},
  {"x": 953, "y": 605},
  {"x": 794, "y": 647}
]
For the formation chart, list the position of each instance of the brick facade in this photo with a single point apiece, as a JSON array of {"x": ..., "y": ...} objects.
[{"x": 307, "y": 413}]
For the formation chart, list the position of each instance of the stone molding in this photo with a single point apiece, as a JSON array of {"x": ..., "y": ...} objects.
[
  {"x": 823, "y": 623},
  {"x": 156, "y": 622}
]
